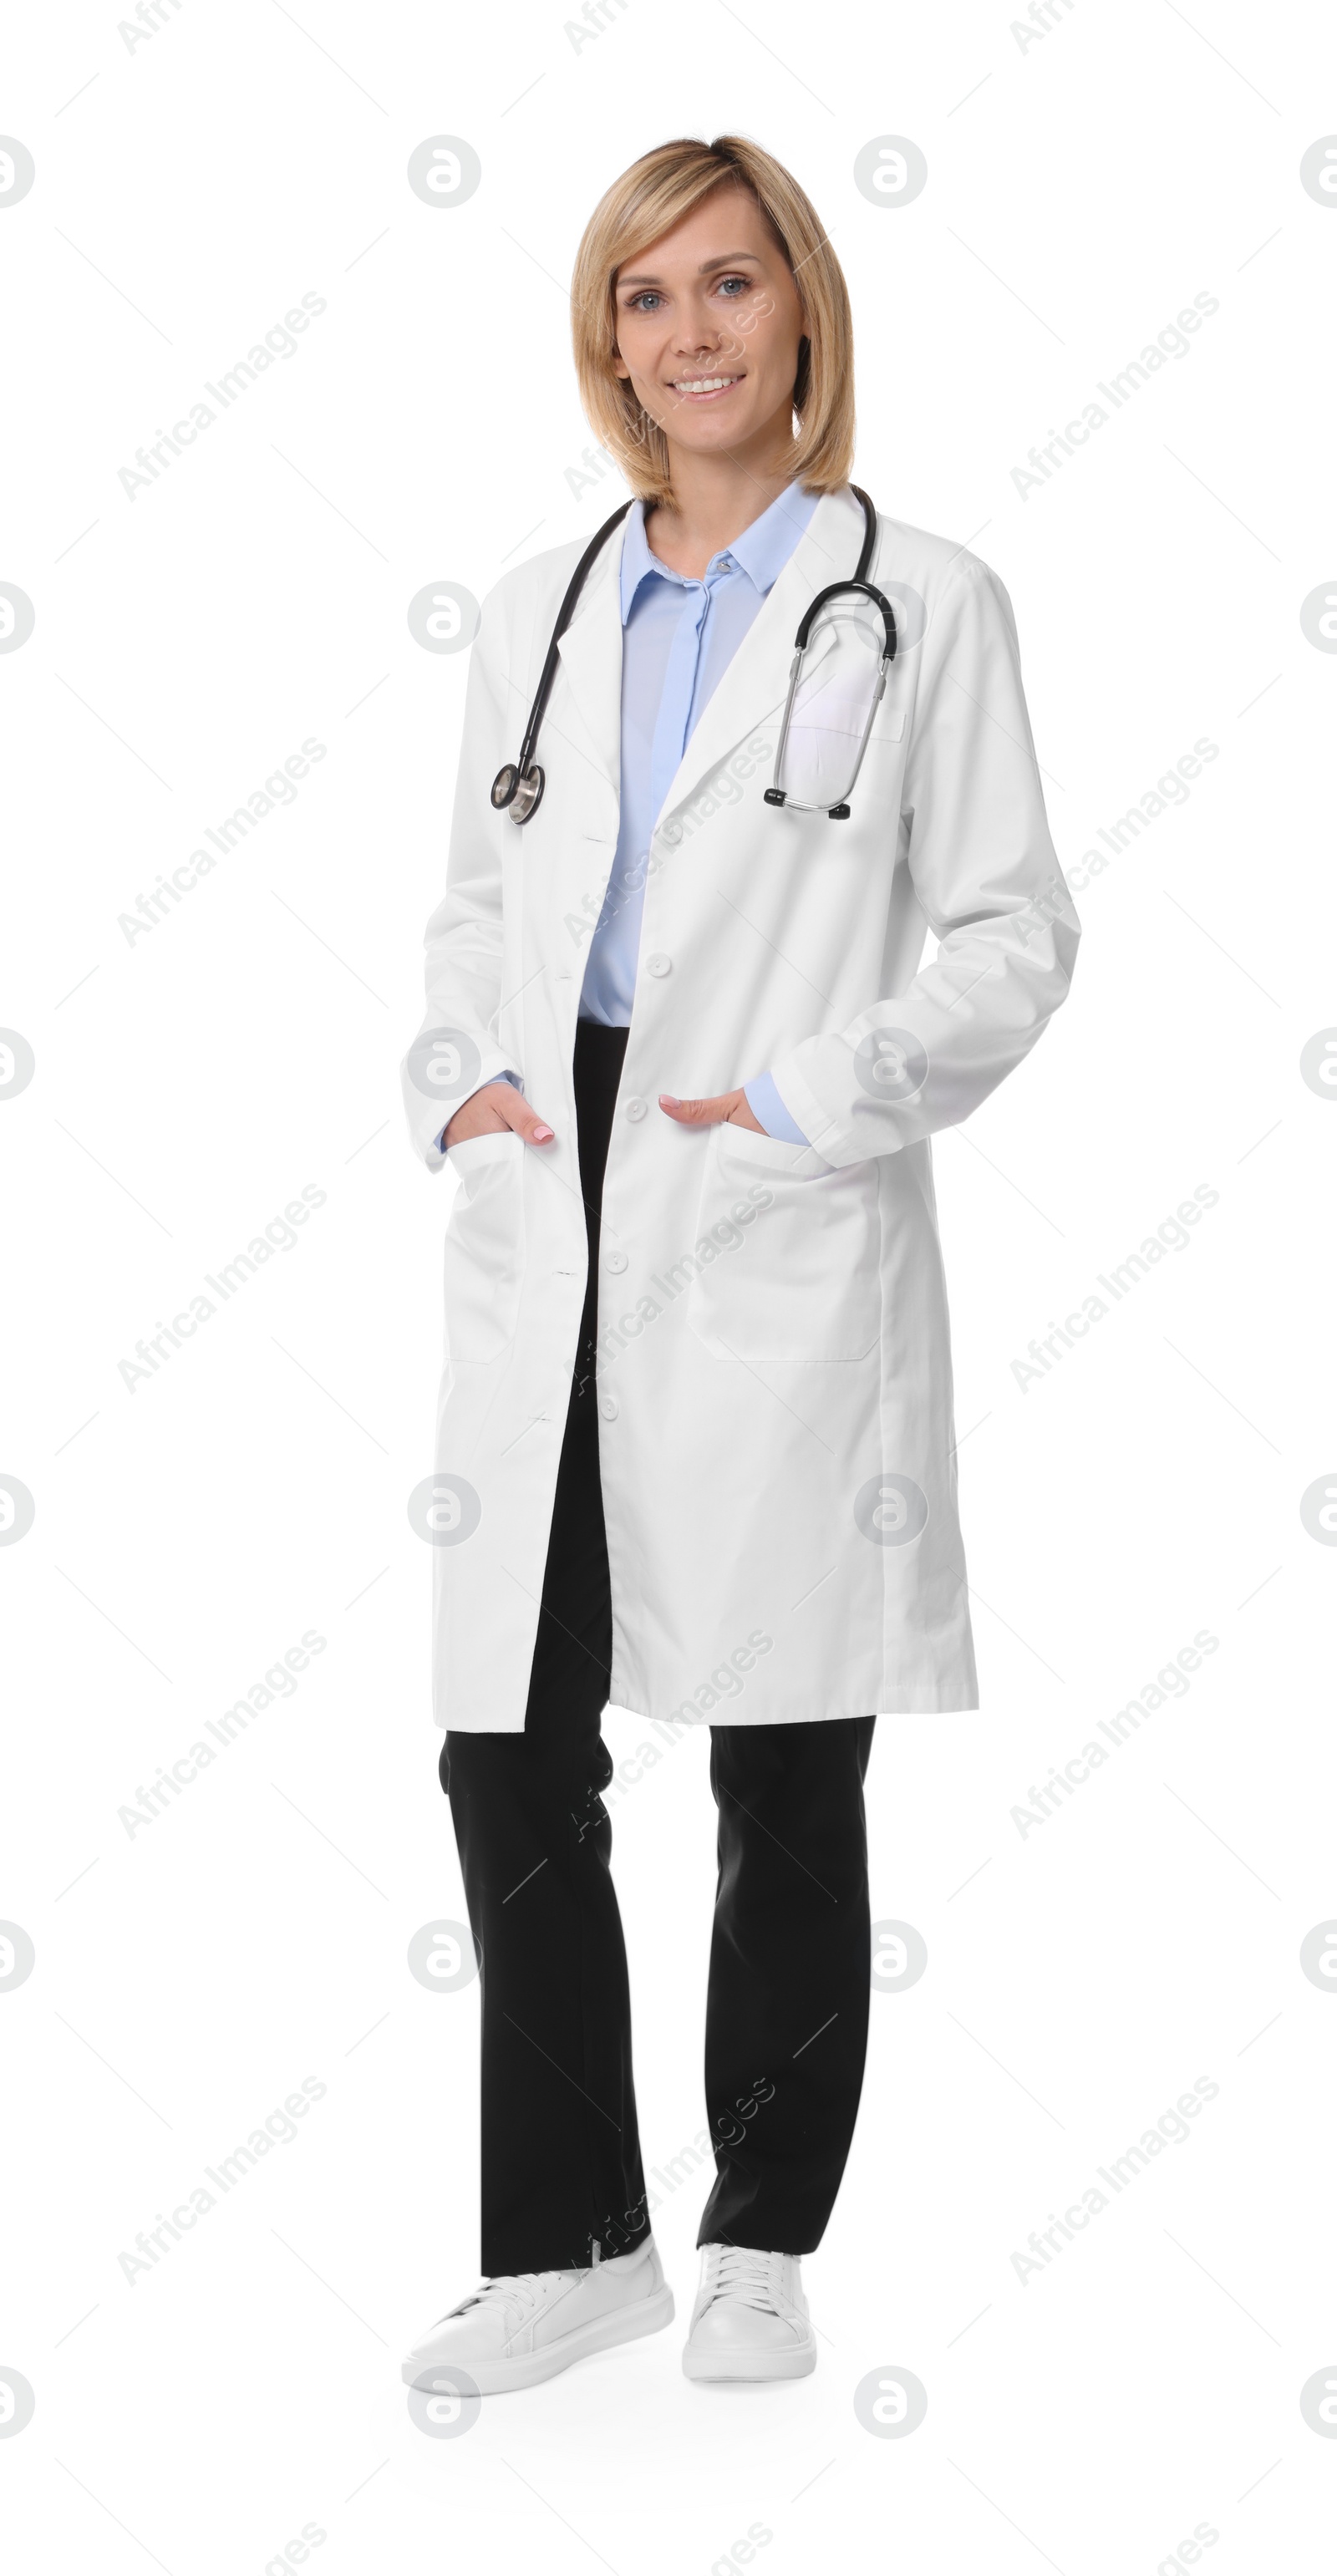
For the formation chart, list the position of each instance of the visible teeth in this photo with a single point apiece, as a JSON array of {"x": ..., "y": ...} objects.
[{"x": 704, "y": 384}]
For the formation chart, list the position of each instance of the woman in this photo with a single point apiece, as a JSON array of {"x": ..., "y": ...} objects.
[{"x": 695, "y": 1441}]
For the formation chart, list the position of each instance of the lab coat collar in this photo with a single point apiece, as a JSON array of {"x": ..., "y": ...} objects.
[{"x": 753, "y": 687}]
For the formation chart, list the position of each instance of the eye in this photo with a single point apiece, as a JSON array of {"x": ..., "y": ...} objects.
[
  {"x": 637, "y": 303},
  {"x": 742, "y": 283}
]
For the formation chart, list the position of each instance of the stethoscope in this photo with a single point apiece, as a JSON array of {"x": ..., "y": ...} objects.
[{"x": 518, "y": 786}]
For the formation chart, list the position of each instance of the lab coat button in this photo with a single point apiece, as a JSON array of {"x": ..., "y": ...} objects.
[
  {"x": 672, "y": 833},
  {"x": 608, "y": 1407},
  {"x": 659, "y": 965},
  {"x": 615, "y": 1261},
  {"x": 636, "y": 1108}
]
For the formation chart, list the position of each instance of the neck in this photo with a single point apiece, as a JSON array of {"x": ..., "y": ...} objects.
[{"x": 715, "y": 498}]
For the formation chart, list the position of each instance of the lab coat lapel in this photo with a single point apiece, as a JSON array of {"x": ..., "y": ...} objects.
[{"x": 755, "y": 684}]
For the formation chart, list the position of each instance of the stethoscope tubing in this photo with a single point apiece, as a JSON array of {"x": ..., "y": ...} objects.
[{"x": 519, "y": 784}]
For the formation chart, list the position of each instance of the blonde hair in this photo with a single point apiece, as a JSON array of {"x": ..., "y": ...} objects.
[{"x": 646, "y": 202}]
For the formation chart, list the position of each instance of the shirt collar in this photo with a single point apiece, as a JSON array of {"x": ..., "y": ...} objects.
[{"x": 762, "y": 551}]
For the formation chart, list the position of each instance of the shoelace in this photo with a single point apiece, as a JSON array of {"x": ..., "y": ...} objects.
[
  {"x": 516, "y": 2291},
  {"x": 743, "y": 2272}
]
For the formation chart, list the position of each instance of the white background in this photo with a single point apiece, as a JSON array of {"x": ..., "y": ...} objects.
[{"x": 1082, "y": 190}]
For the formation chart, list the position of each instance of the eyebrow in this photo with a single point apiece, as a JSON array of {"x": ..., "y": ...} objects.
[{"x": 727, "y": 259}]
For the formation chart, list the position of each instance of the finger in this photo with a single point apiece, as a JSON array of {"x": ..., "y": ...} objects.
[
  {"x": 522, "y": 1119},
  {"x": 479, "y": 1115},
  {"x": 698, "y": 1113}
]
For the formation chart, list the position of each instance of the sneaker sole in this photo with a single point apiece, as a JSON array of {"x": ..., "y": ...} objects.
[
  {"x": 743, "y": 2365},
  {"x": 526, "y": 2369}
]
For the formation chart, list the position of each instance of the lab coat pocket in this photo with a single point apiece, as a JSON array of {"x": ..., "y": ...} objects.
[
  {"x": 788, "y": 1253},
  {"x": 485, "y": 1245}
]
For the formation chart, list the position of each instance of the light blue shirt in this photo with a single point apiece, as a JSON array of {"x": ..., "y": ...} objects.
[{"x": 679, "y": 637}]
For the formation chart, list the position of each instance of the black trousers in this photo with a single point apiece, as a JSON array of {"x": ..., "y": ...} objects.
[{"x": 787, "y": 1999}]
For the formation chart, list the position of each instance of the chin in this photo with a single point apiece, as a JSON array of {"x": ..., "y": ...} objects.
[{"x": 707, "y": 429}]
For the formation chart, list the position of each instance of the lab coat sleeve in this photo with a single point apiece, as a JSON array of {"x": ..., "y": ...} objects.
[
  {"x": 464, "y": 935},
  {"x": 988, "y": 881}
]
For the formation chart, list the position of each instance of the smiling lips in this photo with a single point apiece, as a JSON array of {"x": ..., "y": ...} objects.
[{"x": 702, "y": 389}]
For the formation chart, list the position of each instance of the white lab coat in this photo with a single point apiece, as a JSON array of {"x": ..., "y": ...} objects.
[{"x": 775, "y": 1391}]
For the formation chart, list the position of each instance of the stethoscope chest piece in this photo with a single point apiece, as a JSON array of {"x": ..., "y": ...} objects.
[{"x": 517, "y": 792}]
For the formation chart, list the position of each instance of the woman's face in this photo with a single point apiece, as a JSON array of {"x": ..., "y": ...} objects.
[{"x": 708, "y": 323}]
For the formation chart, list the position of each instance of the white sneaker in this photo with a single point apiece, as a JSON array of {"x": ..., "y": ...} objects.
[
  {"x": 751, "y": 2318},
  {"x": 527, "y": 2326}
]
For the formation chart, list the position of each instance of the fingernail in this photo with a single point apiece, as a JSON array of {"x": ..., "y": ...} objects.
[
  {"x": 669, "y": 1100},
  {"x": 541, "y": 1135}
]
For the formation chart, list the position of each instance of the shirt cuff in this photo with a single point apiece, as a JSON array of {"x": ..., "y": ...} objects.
[
  {"x": 766, "y": 1105},
  {"x": 506, "y": 1076}
]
